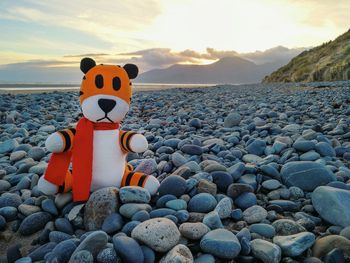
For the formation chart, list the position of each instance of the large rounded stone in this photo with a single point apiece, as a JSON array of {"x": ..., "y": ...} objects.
[
  {"x": 173, "y": 185},
  {"x": 254, "y": 214},
  {"x": 265, "y": 251},
  {"x": 34, "y": 223},
  {"x": 333, "y": 204},
  {"x": 306, "y": 175},
  {"x": 101, "y": 203},
  {"x": 221, "y": 243},
  {"x": 160, "y": 234},
  {"x": 294, "y": 245},
  {"x": 326, "y": 244}
]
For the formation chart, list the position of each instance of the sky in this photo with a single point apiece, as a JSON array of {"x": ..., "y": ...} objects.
[{"x": 158, "y": 33}]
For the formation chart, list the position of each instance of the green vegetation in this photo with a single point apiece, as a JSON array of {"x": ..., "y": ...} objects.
[{"x": 327, "y": 62}]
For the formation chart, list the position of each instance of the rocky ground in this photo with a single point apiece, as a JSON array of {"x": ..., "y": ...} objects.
[{"x": 251, "y": 173}]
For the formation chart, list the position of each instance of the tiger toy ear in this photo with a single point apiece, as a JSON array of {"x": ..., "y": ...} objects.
[
  {"x": 86, "y": 64},
  {"x": 132, "y": 70}
]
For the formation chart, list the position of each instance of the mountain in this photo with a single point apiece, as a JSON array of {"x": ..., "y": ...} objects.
[
  {"x": 231, "y": 69},
  {"x": 327, "y": 62}
]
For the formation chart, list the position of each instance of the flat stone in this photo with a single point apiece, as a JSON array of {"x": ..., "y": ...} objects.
[
  {"x": 294, "y": 245},
  {"x": 332, "y": 204},
  {"x": 306, "y": 175},
  {"x": 134, "y": 194}
]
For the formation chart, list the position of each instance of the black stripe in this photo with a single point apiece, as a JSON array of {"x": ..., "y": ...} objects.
[
  {"x": 67, "y": 138},
  {"x": 81, "y": 93},
  {"x": 61, "y": 188},
  {"x": 128, "y": 140},
  {"x": 142, "y": 179},
  {"x": 72, "y": 130},
  {"x": 129, "y": 166},
  {"x": 121, "y": 141},
  {"x": 128, "y": 178}
]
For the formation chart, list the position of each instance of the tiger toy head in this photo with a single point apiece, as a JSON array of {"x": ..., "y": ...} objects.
[{"x": 105, "y": 92}]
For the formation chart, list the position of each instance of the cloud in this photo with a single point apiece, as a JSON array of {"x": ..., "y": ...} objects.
[{"x": 67, "y": 67}]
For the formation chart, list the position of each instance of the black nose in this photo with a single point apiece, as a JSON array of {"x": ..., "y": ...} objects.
[{"x": 106, "y": 105}]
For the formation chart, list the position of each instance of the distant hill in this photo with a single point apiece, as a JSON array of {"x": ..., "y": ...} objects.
[
  {"x": 231, "y": 69},
  {"x": 327, "y": 62}
]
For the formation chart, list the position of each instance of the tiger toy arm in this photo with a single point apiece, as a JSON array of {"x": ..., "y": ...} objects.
[
  {"x": 132, "y": 142},
  {"x": 57, "y": 142},
  {"x": 60, "y": 141}
]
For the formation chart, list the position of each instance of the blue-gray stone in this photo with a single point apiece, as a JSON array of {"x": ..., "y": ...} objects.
[
  {"x": 306, "y": 175},
  {"x": 325, "y": 149},
  {"x": 295, "y": 245},
  {"x": 141, "y": 216},
  {"x": 177, "y": 204},
  {"x": 9, "y": 199},
  {"x": 48, "y": 205},
  {"x": 245, "y": 200},
  {"x": 236, "y": 214},
  {"x": 212, "y": 220},
  {"x": 310, "y": 156},
  {"x": 257, "y": 147},
  {"x": 304, "y": 145},
  {"x": 202, "y": 203},
  {"x": 161, "y": 212},
  {"x": 164, "y": 199},
  {"x": 173, "y": 185},
  {"x": 58, "y": 236},
  {"x": 24, "y": 260},
  {"x": 82, "y": 256},
  {"x": 40, "y": 252},
  {"x": 148, "y": 254},
  {"x": 113, "y": 223},
  {"x": 62, "y": 224},
  {"x": 205, "y": 258},
  {"x": 9, "y": 213},
  {"x": 128, "y": 210},
  {"x": 262, "y": 229},
  {"x": 128, "y": 249},
  {"x": 8, "y": 146},
  {"x": 271, "y": 184},
  {"x": 134, "y": 194},
  {"x": 221, "y": 243},
  {"x": 332, "y": 204},
  {"x": 129, "y": 227},
  {"x": 222, "y": 180},
  {"x": 34, "y": 223},
  {"x": 192, "y": 149}
]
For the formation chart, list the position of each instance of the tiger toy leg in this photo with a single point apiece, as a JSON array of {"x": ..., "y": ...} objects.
[{"x": 131, "y": 178}]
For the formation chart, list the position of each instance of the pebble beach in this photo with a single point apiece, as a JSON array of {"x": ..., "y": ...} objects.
[{"x": 248, "y": 173}]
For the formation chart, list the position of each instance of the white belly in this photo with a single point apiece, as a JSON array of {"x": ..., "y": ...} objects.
[{"x": 108, "y": 160}]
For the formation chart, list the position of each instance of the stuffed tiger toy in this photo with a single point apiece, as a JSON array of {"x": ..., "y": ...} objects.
[{"x": 97, "y": 148}]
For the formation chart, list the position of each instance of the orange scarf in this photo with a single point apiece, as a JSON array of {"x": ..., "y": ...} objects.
[{"x": 81, "y": 156}]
